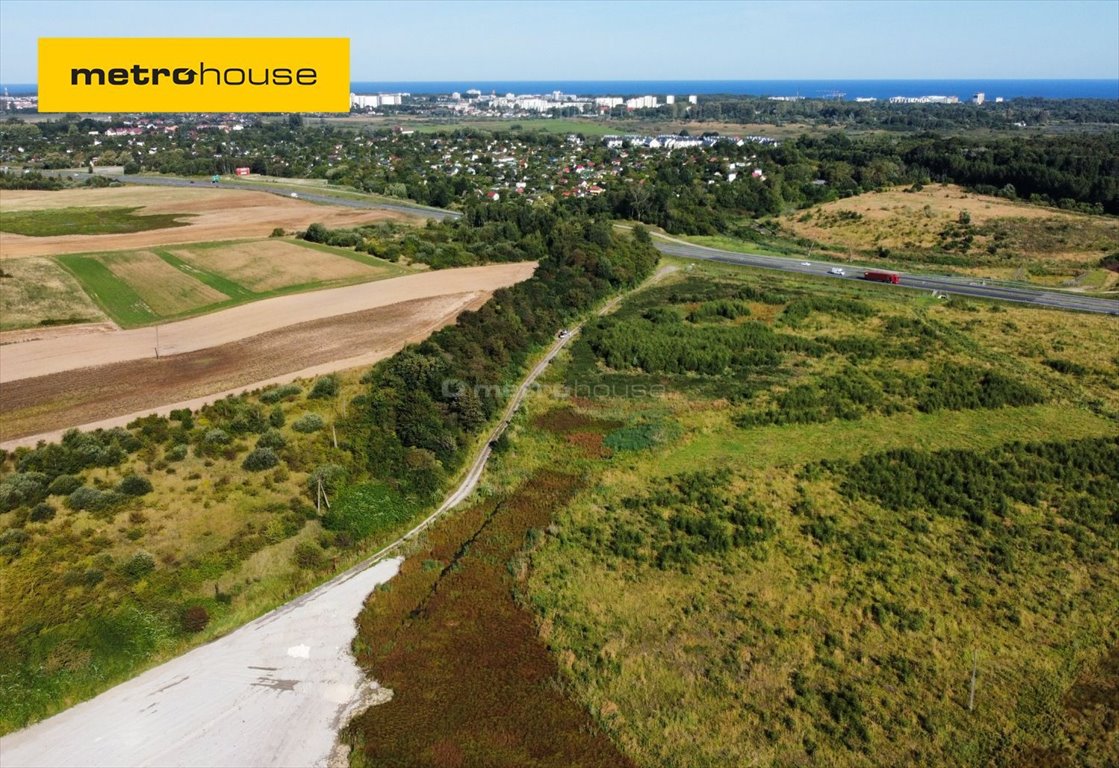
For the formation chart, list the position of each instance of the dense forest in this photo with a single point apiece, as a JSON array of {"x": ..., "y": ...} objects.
[{"x": 425, "y": 405}]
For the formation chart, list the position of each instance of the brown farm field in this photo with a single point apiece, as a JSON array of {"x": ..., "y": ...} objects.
[
  {"x": 64, "y": 380},
  {"x": 218, "y": 214},
  {"x": 107, "y": 393},
  {"x": 989, "y": 236}
]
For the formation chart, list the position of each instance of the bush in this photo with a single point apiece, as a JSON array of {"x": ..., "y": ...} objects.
[
  {"x": 138, "y": 566},
  {"x": 274, "y": 395},
  {"x": 308, "y": 555},
  {"x": 194, "y": 619},
  {"x": 310, "y": 422},
  {"x": 333, "y": 477},
  {"x": 215, "y": 437},
  {"x": 42, "y": 512},
  {"x": 276, "y": 417},
  {"x": 176, "y": 452},
  {"x": 64, "y": 485},
  {"x": 93, "y": 500},
  {"x": 22, "y": 489},
  {"x": 183, "y": 416},
  {"x": 260, "y": 459},
  {"x": 134, "y": 485},
  {"x": 277, "y": 232},
  {"x": 273, "y": 439},
  {"x": 324, "y": 388}
]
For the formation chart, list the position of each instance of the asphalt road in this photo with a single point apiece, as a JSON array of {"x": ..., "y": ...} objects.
[{"x": 959, "y": 286}]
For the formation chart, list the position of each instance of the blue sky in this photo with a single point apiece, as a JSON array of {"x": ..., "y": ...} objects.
[{"x": 880, "y": 39}]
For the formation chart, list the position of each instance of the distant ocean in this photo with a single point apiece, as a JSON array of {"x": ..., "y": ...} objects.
[
  {"x": 852, "y": 89},
  {"x": 813, "y": 89}
]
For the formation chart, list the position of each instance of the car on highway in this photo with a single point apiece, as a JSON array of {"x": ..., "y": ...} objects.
[
  {"x": 806, "y": 263},
  {"x": 837, "y": 271}
]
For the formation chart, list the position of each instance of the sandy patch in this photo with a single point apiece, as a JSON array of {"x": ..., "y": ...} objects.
[
  {"x": 220, "y": 214},
  {"x": 266, "y": 265}
]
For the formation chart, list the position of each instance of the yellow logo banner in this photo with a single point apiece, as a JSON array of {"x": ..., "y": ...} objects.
[{"x": 202, "y": 74}]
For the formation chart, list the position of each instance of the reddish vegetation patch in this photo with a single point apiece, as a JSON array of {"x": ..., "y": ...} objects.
[
  {"x": 564, "y": 420},
  {"x": 591, "y": 443},
  {"x": 472, "y": 682}
]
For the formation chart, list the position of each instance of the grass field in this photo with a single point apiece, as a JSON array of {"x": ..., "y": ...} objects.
[
  {"x": 807, "y": 623},
  {"x": 140, "y": 287},
  {"x": 791, "y": 445},
  {"x": 983, "y": 235},
  {"x": 86, "y": 221},
  {"x": 36, "y": 291}
]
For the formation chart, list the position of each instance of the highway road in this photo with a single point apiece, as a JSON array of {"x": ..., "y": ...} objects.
[{"x": 960, "y": 286}]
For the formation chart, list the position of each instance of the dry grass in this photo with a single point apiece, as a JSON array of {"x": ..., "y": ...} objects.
[
  {"x": 913, "y": 221},
  {"x": 165, "y": 289},
  {"x": 36, "y": 291},
  {"x": 266, "y": 265}
]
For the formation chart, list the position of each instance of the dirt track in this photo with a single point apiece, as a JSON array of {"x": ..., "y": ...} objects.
[
  {"x": 220, "y": 214},
  {"x": 47, "y": 356},
  {"x": 108, "y": 395}
]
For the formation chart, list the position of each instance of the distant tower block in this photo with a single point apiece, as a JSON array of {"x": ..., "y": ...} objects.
[
  {"x": 979, "y": 98},
  {"x": 670, "y": 99},
  {"x": 692, "y": 99}
]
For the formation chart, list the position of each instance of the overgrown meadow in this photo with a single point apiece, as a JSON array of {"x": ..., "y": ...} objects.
[{"x": 838, "y": 503}]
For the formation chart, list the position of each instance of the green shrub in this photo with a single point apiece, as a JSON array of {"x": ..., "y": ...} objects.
[
  {"x": 276, "y": 417},
  {"x": 275, "y": 394},
  {"x": 325, "y": 387},
  {"x": 138, "y": 566},
  {"x": 64, "y": 485},
  {"x": 1065, "y": 366},
  {"x": 216, "y": 436},
  {"x": 273, "y": 439},
  {"x": 308, "y": 555},
  {"x": 22, "y": 489},
  {"x": 12, "y": 541},
  {"x": 176, "y": 452},
  {"x": 93, "y": 500},
  {"x": 183, "y": 416},
  {"x": 333, "y": 477},
  {"x": 134, "y": 485},
  {"x": 260, "y": 459},
  {"x": 42, "y": 512},
  {"x": 309, "y": 422}
]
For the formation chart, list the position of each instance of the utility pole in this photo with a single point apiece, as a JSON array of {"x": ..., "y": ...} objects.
[
  {"x": 321, "y": 496},
  {"x": 157, "y": 341},
  {"x": 971, "y": 692}
]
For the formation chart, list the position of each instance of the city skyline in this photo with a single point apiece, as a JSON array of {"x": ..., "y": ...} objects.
[{"x": 625, "y": 40}]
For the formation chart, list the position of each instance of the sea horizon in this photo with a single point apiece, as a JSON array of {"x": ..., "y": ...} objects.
[{"x": 845, "y": 89}]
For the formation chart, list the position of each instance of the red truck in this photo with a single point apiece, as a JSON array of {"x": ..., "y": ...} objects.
[{"x": 879, "y": 276}]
